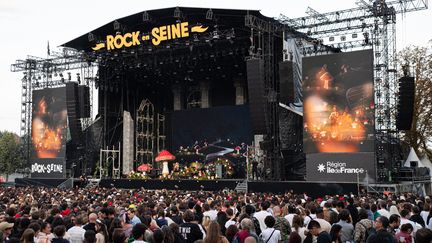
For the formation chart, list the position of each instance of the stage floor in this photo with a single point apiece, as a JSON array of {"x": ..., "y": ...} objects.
[{"x": 314, "y": 189}]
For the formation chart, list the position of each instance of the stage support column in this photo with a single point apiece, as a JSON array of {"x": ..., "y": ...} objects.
[
  {"x": 177, "y": 97},
  {"x": 240, "y": 92},
  {"x": 205, "y": 94}
]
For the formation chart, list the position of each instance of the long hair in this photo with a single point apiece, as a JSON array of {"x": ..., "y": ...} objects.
[
  {"x": 297, "y": 222},
  {"x": 213, "y": 233},
  {"x": 334, "y": 233},
  {"x": 102, "y": 229},
  {"x": 28, "y": 236}
]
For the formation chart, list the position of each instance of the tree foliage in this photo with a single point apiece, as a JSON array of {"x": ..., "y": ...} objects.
[
  {"x": 419, "y": 60},
  {"x": 11, "y": 153}
]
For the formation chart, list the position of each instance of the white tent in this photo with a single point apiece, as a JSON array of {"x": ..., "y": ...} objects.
[
  {"x": 412, "y": 157},
  {"x": 427, "y": 163}
]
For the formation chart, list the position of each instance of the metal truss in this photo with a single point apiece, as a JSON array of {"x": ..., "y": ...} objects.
[
  {"x": 371, "y": 25},
  {"x": 51, "y": 72},
  {"x": 263, "y": 36}
]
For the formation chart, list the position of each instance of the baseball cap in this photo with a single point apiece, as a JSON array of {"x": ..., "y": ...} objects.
[{"x": 5, "y": 225}]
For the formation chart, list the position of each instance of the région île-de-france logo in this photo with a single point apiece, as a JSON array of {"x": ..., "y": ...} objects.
[
  {"x": 157, "y": 35},
  {"x": 331, "y": 167},
  {"x": 321, "y": 168}
]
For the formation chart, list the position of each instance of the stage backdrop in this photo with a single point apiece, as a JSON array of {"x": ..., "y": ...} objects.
[
  {"x": 204, "y": 135},
  {"x": 339, "y": 116},
  {"x": 49, "y": 133}
]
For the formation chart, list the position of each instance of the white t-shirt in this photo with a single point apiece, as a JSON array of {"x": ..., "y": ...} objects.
[
  {"x": 261, "y": 215},
  {"x": 76, "y": 234},
  {"x": 384, "y": 212},
  {"x": 290, "y": 217},
  {"x": 271, "y": 235},
  {"x": 301, "y": 232},
  {"x": 309, "y": 218},
  {"x": 212, "y": 214},
  {"x": 424, "y": 215}
]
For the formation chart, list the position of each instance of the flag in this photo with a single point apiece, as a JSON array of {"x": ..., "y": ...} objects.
[{"x": 48, "y": 49}]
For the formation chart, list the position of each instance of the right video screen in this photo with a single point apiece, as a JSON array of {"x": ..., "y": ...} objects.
[{"x": 339, "y": 103}]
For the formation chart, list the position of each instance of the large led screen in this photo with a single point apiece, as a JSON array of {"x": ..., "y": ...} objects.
[
  {"x": 339, "y": 117},
  {"x": 339, "y": 103},
  {"x": 49, "y": 123}
]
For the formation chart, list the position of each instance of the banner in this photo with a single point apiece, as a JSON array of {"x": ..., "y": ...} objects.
[
  {"x": 341, "y": 167},
  {"x": 338, "y": 111},
  {"x": 48, "y": 168},
  {"x": 49, "y": 131}
]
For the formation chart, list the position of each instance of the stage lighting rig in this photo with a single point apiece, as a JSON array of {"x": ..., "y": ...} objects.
[
  {"x": 209, "y": 14},
  {"x": 91, "y": 37},
  {"x": 177, "y": 13},
  {"x": 146, "y": 16},
  {"x": 116, "y": 25}
]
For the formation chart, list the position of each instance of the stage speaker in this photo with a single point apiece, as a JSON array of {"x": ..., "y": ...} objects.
[
  {"x": 256, "y": 90},
  {"x": 286, "y": 82},
  {"x": 266, "y": 145},
  {"x": 73, "y": 112},
  {"x": 84, "y": 101},
  {"x": 406, "y": 103}
]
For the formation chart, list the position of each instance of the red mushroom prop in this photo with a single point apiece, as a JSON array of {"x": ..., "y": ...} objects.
[
  {"x": 165, "y": 156},
  {"x": 144, "y": 167},
  {"x": 238, "y": 149}
]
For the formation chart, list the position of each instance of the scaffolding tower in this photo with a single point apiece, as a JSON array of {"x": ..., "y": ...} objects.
[
  {"x": 371, "y": 25},
  {"x": 51, "y": 72}
]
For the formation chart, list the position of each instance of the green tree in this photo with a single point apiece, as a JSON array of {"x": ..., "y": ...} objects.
[
  {"x": 11, "y": 153},
  {"x": 419, "y": 60}
]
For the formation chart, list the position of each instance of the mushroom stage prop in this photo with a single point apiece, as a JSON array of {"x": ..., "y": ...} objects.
[
  {"x": 165, "y": 156},
  {"x": 144, "y": 168}
]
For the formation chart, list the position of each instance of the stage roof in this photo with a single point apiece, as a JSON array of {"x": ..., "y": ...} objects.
[{"x": 224, "y": 18}]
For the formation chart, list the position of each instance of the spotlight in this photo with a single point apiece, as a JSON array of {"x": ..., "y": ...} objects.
[
  {"x": 331, "y": 38},
  {"x": 146, "y": 16},
  {"x": 343, "y": 38},
  {"x": 116, "y": 25},
  {"x": 177, "y": 13},
  {"x": 78, "y": 78},
  {"x": 354, "y": 36},
  {"x": 69, "y": 76},
  {"x": 90, "y": 37},
  {"x": 209, "y": 14}
]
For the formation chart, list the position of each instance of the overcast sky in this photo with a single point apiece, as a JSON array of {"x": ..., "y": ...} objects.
[{"x": 26, "y": 27}]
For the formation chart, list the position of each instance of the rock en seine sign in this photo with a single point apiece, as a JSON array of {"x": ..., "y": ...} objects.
[{"x": 157, "y": 35}]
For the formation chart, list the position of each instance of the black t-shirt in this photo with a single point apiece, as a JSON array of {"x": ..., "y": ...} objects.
[
  {"x": 190, "y": 232},
  {"x": 90, "y": 226},
  {"x": 324, "y": 237},
  {"x": 382, "y": 236},
  {"x": 177, "y": 219}
]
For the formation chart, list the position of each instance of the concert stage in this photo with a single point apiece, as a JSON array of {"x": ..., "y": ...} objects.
[{"x": 313, "y": 189}]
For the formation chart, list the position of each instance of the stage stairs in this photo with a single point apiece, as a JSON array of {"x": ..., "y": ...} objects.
[
  {"x": 242, "y": 186},
  {"x": 92, "y": 183}
]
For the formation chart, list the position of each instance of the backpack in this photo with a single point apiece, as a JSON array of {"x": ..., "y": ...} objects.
[
  {"x": 256, "y": 225},
  {"x": 236, "y": 239},
  {"x": 369, "y": 231}
]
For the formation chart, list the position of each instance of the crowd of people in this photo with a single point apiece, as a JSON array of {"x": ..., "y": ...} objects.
[{"x": 110, "y": 215}]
